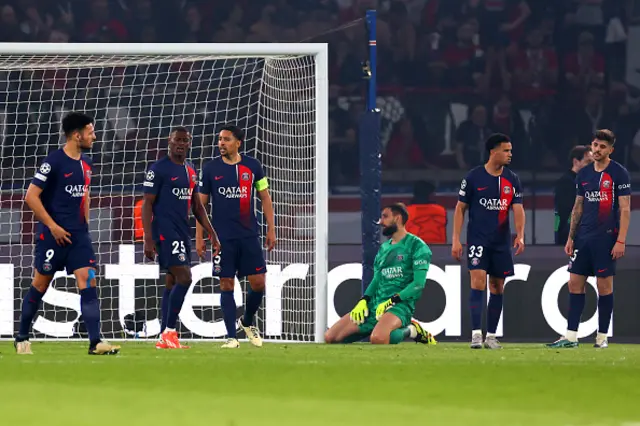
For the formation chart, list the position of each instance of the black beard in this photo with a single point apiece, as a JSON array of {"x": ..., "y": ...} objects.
[{"x": 388, "y": 231}]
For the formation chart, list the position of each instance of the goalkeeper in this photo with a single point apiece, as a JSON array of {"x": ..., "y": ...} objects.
[{"x": 384, "y": 312}]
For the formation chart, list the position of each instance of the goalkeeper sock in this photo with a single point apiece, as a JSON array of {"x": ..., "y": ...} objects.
[
  {"x": 254, "y": 300},
  {"x": 475, "y": 305},
  {"x": 228, "y": 305},
  {"x": 494, "y": 310},
  {"x": 166, "y": 297},
  {"x": 576, "y": 306},
  {"x": 399, "y": 334},
  {"x": 605, "y": 309},
  {"x": 176, "y": 299},
  {"x": 90, "y": 308},
  {"x": 30, "y": 306}
]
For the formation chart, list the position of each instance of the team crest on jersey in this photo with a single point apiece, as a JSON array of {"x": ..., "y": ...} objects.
[
  {"x": 45, "y": 168},
  {"x": 506, "y": 190},
  {"x": 194, "y": 178},
  {"x": 400, "y": 257},
  {"x": 475, "y": 261},
  {"x": 182, "y": 257},
  {"x": 46, "y": 266},
  {"x": 606, "y": 184},
  {"x": 217, "y": 269},
  {"x": 245, "y": 176}
]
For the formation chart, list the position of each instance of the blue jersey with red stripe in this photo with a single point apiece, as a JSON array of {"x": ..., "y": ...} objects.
[
  {"x": 489, "y": 198},
  {"x": 173, "y": 185},
  {"x": 65, "y": 189},
  {"x": 601, "y": 215},
  {"x": 232, "y": 189}
]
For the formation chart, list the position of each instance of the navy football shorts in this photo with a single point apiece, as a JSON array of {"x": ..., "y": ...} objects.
[
  {"x": 239, "y": 257},
  {"x": 497, "y": 261},
  {"x": 50, "y": 257},
  {"x": 592, "y": 257},
  {"x": 173, "y": 251}
]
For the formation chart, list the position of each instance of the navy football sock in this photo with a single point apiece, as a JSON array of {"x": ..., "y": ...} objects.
[
  {"x": 254, "y": 300},
  {"x": 166, "y": 297},
  {"x": 90, "y": 308},
  {"x": 576, "y": 306},
  {"x": 176, "y": 299},
  {"x": 494, "y": 310},
  {"x": 475, "y": 305},
  {"x": 30, "y": 306},
  {"x": 228, "y": 305},
  {"x": 605, "y": 309}
]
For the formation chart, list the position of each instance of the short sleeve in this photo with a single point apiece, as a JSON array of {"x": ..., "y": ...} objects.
[
  {"x": 261, "y": 182},
  {"x": 466, "y": 190},
  {"x": 517, "y": 190},
  {"x": 623, "y": 183},
  {"x": 153, "y": 180},
  {"x": 205, "y": 181},
  {"x": 421, "y": 257},
  {"x": 579, "y": 187},
  {"x": 45, "y": 174}
]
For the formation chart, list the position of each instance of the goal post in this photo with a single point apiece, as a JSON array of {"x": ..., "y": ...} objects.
[{"x": 278, "y": 93}]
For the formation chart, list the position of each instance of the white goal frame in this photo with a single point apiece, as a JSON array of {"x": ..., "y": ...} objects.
[{"x": 320, "y": 53}]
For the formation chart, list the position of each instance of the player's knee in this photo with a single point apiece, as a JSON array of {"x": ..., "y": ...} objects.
[
  {"x": 496, "y": 286},
  {"x": 379, "y": 338},
  {"x": 226, "y": 284},
  {"x": 257, "y": 282},
  {"x": 329, "y": 337},
  {"x": 41, "y": 284}
]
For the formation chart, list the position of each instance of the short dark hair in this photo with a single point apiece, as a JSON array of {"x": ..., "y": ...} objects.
[
  {"x": 578, "y": 152},
  {"x": 399, "y": 209},
  {"x": 178, "y": 129},
  {"x": 606, "y": 135},
  {"x": 495, "y": 140},
  {"x": 74, "y": 122},
  {"x": 236, "y": 131}
]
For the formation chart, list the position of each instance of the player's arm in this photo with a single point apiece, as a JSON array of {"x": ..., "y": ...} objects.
[
  {"x": 518, "y": 216},
  {"x": 204, "y": 201},
  {"x": 576, "y": 216},
  {"x": 361, "y": 310},
  {"x": 458, "y": 220},
  {"x": 87, "y": 205},
  {"x": 202, "y": 222},
  {"x": 32, "y": 198},
  {"x": 262, "y": 188},
  {"x": 152, "y": 185},
  {"x": 624, "y": 206}
]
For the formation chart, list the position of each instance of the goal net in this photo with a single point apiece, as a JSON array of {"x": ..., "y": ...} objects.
[{"x": 277, "y": 96}]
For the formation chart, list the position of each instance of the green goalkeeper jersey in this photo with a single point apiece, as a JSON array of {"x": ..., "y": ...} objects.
[{"x": 394, "y": 269}]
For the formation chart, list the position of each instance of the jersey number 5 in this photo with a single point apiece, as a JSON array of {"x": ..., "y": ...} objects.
[
  {"x": 178, "y": 247},
  {"x": 475, "y": 251},
  {"x": 575, "y": 254}
]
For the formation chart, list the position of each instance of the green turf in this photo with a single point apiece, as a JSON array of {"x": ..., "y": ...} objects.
[{"x": 302, "y": 384}]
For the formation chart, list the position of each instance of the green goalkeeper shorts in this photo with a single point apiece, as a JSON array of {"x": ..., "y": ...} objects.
[{"x": 401, "y": 310}]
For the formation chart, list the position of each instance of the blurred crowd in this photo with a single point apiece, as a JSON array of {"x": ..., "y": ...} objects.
[{"x": 450, "y": 72}]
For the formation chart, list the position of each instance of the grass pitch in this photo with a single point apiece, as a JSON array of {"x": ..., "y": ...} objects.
[{"x": 289, "y": 384}]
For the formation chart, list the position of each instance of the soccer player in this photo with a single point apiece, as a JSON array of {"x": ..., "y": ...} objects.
[
  {"x": 170, "y": 191},
  {"x": 488, "y": 192},
  {"x": 59, "y": 198},
  {"x": 231, "y": 181},
  {"x": 597, "y": 236},
  {"x": 400, "y": 274}
]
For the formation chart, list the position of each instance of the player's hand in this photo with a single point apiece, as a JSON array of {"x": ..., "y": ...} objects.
[
  {"x": 149, "y": 249},
  {"x": 518, "y": 244},
  {"x": 568, "y": 248},
  {"x": 618, "y": 250},
  {"x": 201, "y": 247},
  {"x": 359, "y": 312},
  {"x": 270, "y": 242},
  {"x": 60, "y": 235},
  {"x": 456, "y": 250},
  {"x": 382, "y": 308},
  {"x": 215, "y": 245}
]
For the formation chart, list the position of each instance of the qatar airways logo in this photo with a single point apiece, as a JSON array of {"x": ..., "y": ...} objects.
[
  {"x": 182, "y": 193},
  {"x": 76, "y": 191},
  {"x": 494, "y": 203},
  {"x": 596, "y": 196},
  {"x": 392, "y": 272},
  {"x": 233, "y": 192}
]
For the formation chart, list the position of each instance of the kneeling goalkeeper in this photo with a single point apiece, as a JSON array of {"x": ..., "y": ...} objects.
[{"x": 400, "y": 273}]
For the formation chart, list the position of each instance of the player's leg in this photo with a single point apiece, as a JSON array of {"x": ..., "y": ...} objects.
[
  {"x": 494, "y": 311},
  {"x": 253, "y": 266},
  {"x": 390, "y": 330},
  {"x": 478, "y": 263},
  {"x": 181, "y": 282},
  {"x": 408, "y": 327},
  {"x": 30, "y": 306},
  {"x": 605, "y": 310},
  {"x": 169, "y": 283},
  {"x": 225, "y": 267},
  {"x": 346, "y": 331}
]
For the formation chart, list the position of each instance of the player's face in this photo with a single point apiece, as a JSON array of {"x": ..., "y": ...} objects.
[
  {"x": 502, "y": 153},
  {"x": 86, "y": 136},
  {"x": 179, "y": 143},
  {"x": 388, "y": 222},
  {"x": 586, "y": 160},
  {"x": 228, "y": 144},
  {"x": 601, "y": 150}
]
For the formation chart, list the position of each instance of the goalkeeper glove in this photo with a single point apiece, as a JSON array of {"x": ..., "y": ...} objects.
[
  {"x": 382, "y": 308},
  {"x": 360, "y": 311}
]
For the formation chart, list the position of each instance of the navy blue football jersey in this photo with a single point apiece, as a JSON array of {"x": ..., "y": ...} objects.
[
  {"x": 232, "y": 188},
  {"x": 65, "y": 189},
  {"x": 601, "y": 215},
  {"x": 173, "y": 185},
  {"x": 489, "y": 198}
]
